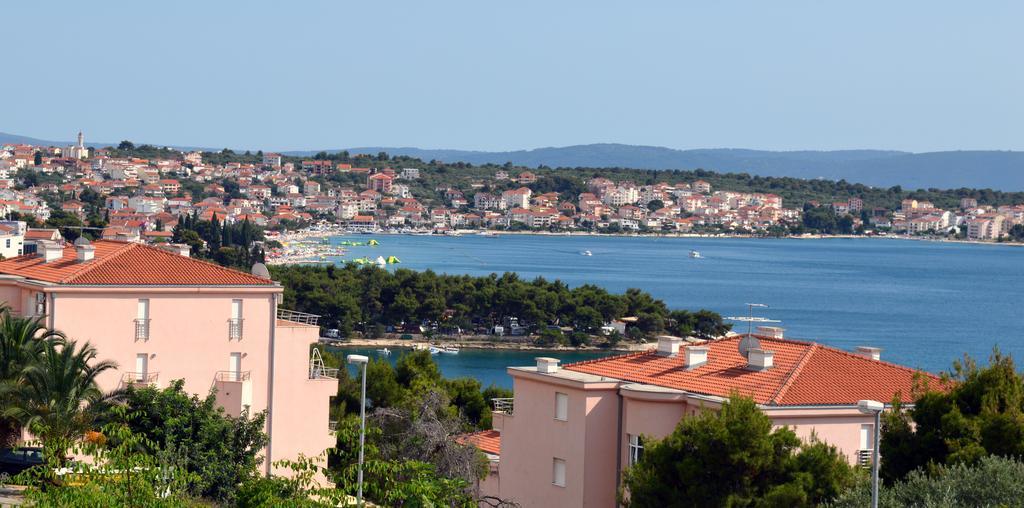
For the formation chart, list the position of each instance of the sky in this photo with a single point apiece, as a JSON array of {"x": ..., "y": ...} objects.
[{"x": 303, "y": 75}]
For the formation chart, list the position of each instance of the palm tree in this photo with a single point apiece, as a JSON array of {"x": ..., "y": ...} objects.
[
  {"x": 22, "y": 341},
  {"x": 58, "y": 398}
]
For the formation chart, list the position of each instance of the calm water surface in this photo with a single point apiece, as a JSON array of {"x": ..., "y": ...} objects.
[{"x": 924, "y": 303}]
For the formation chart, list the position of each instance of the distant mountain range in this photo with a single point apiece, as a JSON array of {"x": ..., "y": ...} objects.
[{"x": 1001, "y": 170}]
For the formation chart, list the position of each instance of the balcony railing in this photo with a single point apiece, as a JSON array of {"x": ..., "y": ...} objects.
[
  {"x": 235, "y": 329},
  {"x": 139, "y": 378},
  {"x": 297, "y": 317},
  {"x": 142, "y": 329},
  {"x": 865, "y": 457},
  {"x": 504, "y": 405},
  {"x": 317, "y": 372},
  {"x": 332, "y": 426},
  {"x": 231, "y": 375}
]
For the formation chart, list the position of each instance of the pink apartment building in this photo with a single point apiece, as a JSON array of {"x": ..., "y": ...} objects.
[
  {"x": 569, "y": 432},
  {"x": 163, "y": 316}
]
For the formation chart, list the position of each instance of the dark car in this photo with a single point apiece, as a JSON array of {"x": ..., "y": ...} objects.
[{"x": 16, "y": 460}]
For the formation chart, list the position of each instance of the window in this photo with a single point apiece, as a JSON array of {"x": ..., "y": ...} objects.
[
  {"x": 636, "y": 449},
  {"x": 8, "y": 243},
  {"x": 235, "y": 367},
  {"x": 141, "y": 367},
  {"x": 561, "y": 406},
  {"x": 142, "y": 320},
  {"x": 558, "y": 472},
  {"x": 235, "y": 323}
]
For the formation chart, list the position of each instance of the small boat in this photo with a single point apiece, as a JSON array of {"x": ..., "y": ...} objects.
[
  {"x": 450, "y": 350},
  {"x": 385, "y": 351},
  {"x": 434, "y": 350},
  {"x": 587, "y": 253},
  {"x": 695, "y": 255}
]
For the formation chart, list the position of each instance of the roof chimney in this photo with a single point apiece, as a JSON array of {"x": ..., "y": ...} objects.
[
  {"x": 759, "y": 359},
  {"x": 52, "y": 251},
  {"x": 696, "y": 356},
  {"x": 86, "y": 253},
  {"x": 773, "y": 332},
  {"x": 547, "y": 365},
  {"x": 668, "y": 345},
  {"x": 180, "y": 249},
  {"x": 872, "y": 353}
]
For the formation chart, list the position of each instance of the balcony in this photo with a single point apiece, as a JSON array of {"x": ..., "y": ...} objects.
[
  {"x": 321, "y": 372},
  {"x": 234, "y": 390},
  {"x": 142, "y": 329},
  {"x": 235, "y": 329},
  {"x": 296, "y": 317},
  {"x": 865, "y": 457},
  {"x": 139, "y": 379},
  {"x": 503, "y": 406}
]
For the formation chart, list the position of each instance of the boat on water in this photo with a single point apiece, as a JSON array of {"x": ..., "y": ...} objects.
[
  {"x": 587, "y": 253},
  {"x": 491, "y": 234},
  {"x": 385, "y": 351},
  {"x": 444, "y": 350},
  {"x": 695, "y": 254}
]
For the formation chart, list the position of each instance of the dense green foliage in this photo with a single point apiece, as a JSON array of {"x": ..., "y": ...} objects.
[
  {"x": 22, "y": 342},
  {"x": 733, "y": 457},
  {"x": 219, "y": 450},
  {"x": 354, "y": 298},
  {"x": 992, "y": 481},
  {"x": 232, "y": 245},
  {"x": 981, "y": 414}
]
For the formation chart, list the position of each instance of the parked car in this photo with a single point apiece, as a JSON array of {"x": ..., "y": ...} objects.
[{"x": 16, "y": 460}]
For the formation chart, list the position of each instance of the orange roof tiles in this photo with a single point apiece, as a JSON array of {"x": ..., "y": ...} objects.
[
  {"x": 127, "y": 264},
  {"x": 488, "y": 441},
  {"x": 804, "y": 373}
]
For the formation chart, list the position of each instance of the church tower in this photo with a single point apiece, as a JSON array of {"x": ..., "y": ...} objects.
[{"x": 81, "y": 140}]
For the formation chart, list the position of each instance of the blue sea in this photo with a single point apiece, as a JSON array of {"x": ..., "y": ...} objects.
[{"x": 925, "y": 304}]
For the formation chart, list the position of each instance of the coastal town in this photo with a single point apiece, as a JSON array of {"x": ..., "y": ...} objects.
[{"x": 112, "y": 196}]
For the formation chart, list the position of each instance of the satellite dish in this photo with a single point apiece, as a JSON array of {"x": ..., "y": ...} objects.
[
  {"x": 747, "y": 343},
  {"x": 260, "y": 270}
]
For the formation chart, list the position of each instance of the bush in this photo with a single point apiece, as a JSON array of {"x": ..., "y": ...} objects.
[{"x": 993, "y": 481}]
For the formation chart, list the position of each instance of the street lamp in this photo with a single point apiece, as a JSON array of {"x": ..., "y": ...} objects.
[
  {"x": 361, "y": 360},
  {"x": 873, "y": 407}
]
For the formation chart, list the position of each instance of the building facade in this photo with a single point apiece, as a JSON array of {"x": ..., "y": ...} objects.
[
  {"x": 570, "y": 431},
  {"x": 162, "y": 316}
]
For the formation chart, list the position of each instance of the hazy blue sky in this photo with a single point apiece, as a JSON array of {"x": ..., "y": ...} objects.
[{"x": 910, "y": 75}]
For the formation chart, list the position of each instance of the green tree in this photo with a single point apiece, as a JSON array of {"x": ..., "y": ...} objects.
[
  {"x": 981, "y": 413},
  {"x": 733, "y": 457},
  {"x": 58, "y": 398},
  {"x": 221, "y": 451},
  {"x": 655, "y": 205}
]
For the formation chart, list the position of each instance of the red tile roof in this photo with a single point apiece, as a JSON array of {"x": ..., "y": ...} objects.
[
  {"x": 803, "y": 373},
  {"x": 488, "y": 441},
  {"x": 130, "y": 264}
]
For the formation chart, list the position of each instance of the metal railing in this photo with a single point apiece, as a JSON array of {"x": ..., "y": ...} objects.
[
  {"x": 332, "y": 426},
  {"x": 503, "y": 405},
  {"x": 230, "y": 375},
  {"x": 235, "y": 329},
  {"x": 317, "y": 372},
  {"x": 142, "y": 329},
  {"x": 297, "y": 317},
  {"x": 865, "y": 457},
  {"x": 139, "y": 378}
]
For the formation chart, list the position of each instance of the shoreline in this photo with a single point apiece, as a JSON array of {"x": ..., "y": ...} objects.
[{"x": 479, "y": 345}]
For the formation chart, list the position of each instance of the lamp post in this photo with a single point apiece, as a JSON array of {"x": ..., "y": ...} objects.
[
  {"x": 361, "y": 360},
  {"x": 873, "y": 407}
]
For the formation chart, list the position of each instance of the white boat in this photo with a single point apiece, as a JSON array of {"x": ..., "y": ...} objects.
[
  {"x": 450, "y": 350},
  {"x": 434, "y": 350},
  {"x": 695, "y": 255},
  {"x": 385, "y": 351},
  {"x": 587, "y": 253}
]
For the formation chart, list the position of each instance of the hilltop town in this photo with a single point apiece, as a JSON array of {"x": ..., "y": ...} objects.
[{"x": 140, "y": 193}]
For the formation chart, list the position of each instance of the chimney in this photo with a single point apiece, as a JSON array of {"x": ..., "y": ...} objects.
[
  {"x": 872, "y": 353},
  {"x": 180, "y": 249},
  {"x": 547, "y": 365},
  {"x": 52, "y": 251},
  {"x": 86, "y": 253},
  {"x": 696, "y": 356},
  {"x": 668, "y": 345},
  {"x": 773, "y": 332},
  {"x": 759, "y": 359}
]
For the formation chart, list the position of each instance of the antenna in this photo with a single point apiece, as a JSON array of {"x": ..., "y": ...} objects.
[{"x": 750, "y": 342}]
